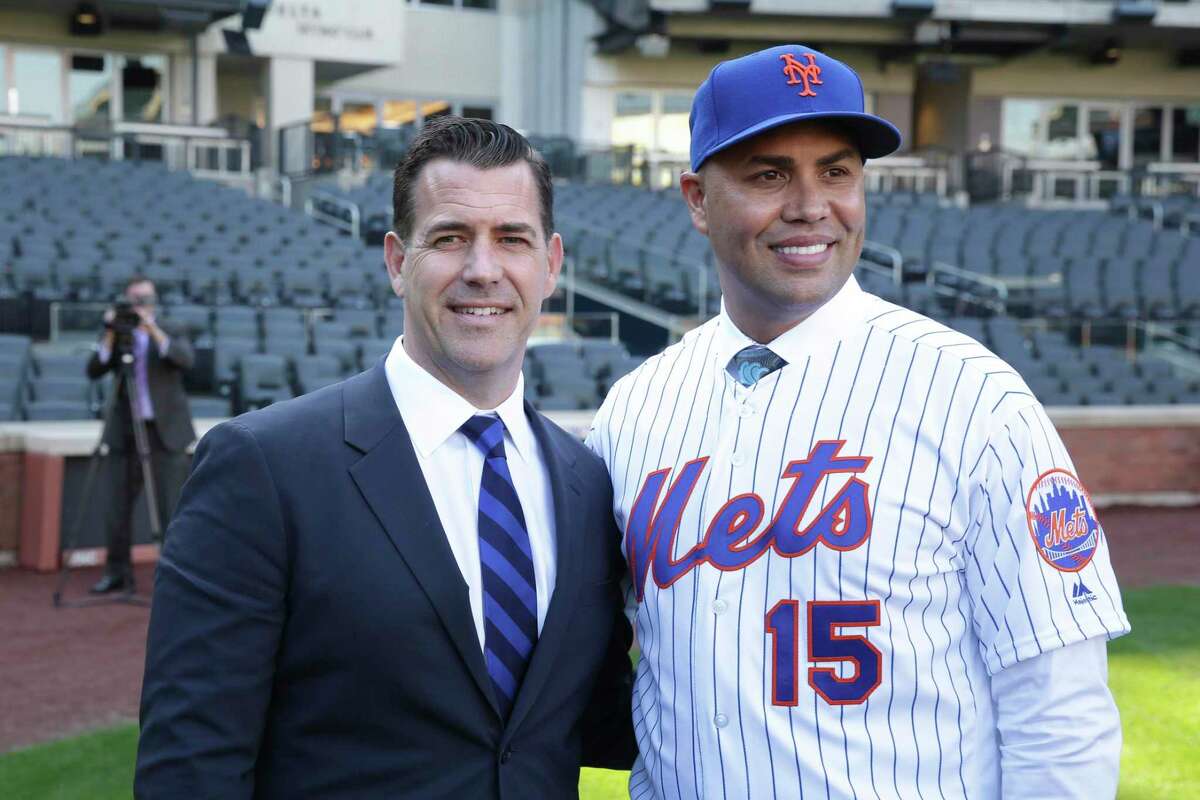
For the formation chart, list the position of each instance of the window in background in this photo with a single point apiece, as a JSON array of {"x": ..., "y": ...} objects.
[
  {"x": 357, "y": 118},
  {"x": 1104, "y": 128},
  {"x": 633, "y": 121},
  {"x": 485, "y": 5},
  {"x": 1044, "y": 129},
  {"x": 89, "y": 88},
  {"x": 1021, "y": 127},
  {"x": 673, "y": 135},
  {"x": 1062, "y": 131},
  {"x": 142, "y": 95},
  {"x": 3, "y": 84},
  {"x": 399, "y": 113},
  {"x": 322, "y": 119},
  {"x": 432, "y": 109},
  {"x": 1147, "y": 135},
  {"x": 1185, "y": 134},
  {"x": 36, "y": 85}
]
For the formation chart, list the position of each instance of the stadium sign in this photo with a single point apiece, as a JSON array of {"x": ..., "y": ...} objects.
[{"x": 347, "y": 31}]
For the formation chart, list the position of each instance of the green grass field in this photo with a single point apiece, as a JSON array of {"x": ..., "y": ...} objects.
[{"x": 1154, "y": 674}]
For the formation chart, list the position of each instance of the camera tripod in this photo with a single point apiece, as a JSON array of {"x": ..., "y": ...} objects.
[{"x": 124, "y": 381}]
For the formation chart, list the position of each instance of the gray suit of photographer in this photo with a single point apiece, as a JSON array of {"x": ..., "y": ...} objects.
[
  {"x": 169, "y": 435},
  {"x": 164, "y": 375}
]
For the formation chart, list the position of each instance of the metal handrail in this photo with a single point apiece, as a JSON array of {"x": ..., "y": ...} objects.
[
  {"x": 701, "y": 270},
  {"x": 353, "y": 226},
  {"x": 882, "y": 174},
  {"x": 998, "y": 303},
  {"x": 894, "y": 257}
]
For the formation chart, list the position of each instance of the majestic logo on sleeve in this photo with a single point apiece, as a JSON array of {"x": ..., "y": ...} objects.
[
  {"x": 731, "y": 541},
  {"x": 1062, "y": 521},
  {"x": 800, "y": 73}
]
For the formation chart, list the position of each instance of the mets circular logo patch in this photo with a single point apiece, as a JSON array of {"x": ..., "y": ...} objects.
[{"x": 1062, "y": 521}]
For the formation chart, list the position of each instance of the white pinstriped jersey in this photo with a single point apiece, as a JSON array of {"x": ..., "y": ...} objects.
[{"x": 827, "y": 567}]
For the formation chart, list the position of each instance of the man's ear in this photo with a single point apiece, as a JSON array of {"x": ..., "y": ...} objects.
[
  {"x": 393, "y": 256},
  {"x": 554, "y": 258},
  {"x": 691, "y": 185}
]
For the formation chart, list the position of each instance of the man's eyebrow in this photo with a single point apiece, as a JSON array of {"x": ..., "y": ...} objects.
[
  {"x": 778, "y": 162},
  {"x": 840, "y": 155},
  {"x": 516, "y": 227},
  {"x": 786, "y": 162},
  {"x": 444, "y": 226}
]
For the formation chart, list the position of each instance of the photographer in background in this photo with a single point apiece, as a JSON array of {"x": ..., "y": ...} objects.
[{"x": 161, "y": 353}]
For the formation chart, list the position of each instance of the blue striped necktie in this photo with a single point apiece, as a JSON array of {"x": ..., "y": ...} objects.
[{"x": 509, "y": 590}]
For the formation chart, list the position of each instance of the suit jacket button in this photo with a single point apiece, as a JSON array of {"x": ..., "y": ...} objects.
[{"x": 506, "y": 755}]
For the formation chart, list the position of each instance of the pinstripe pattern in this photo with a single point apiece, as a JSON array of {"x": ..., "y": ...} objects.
[{"x": 955, "y": 441}]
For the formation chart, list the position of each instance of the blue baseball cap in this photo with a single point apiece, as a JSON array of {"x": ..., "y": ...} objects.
[{"x": 745, "y": 96}]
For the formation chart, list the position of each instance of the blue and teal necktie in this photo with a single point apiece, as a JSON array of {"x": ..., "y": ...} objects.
[
  {"x": 509, "y": 590},
  {"x": 751, "y": 364}
]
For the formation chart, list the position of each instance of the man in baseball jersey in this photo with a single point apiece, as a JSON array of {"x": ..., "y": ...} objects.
[{"x": 861, "y": 563}]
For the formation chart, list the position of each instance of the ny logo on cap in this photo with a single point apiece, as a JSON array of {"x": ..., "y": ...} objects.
[{"x": 798, "y": 73}]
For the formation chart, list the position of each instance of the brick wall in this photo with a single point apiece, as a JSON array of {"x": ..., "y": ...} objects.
[
  {"x": 11, "y": 478},
  {"x": 1122, "y": 460}
]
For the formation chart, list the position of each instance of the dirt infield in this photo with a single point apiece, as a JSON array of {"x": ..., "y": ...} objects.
[{"x": 70, "y": 670}]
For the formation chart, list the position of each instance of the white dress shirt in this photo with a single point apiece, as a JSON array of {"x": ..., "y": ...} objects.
[{"x": 453, "y": 466}]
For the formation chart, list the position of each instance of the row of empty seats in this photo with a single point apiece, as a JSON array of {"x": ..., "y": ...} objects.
[
  {"x": 44, "y": 383},
  {"x": 77, "y": 229}
]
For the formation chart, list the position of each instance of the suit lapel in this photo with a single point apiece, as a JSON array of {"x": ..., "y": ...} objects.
[
  {"x": 564, "y": 485},
  {"x": 391, "y": 482}
]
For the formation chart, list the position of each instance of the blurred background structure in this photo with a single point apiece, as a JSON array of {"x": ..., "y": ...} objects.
[{"x": 239, "y": 152}]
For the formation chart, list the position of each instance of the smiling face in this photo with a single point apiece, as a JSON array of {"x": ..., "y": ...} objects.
[
  {"x": 473, "y": 274},
  {"x": 785, "y": 213}
]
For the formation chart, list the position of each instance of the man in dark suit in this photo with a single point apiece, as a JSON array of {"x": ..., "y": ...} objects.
[
  {"x": 161, "y": 354},
  {"x": 404, "y": 585}
]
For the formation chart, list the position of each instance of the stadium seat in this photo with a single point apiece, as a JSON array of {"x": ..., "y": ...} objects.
[
  {"x": 47, "y": 410},
  {"x": 262, "y": 380},
  {"x": 204, "y": 407},
  {"x": 371, "y": 350},
  {"x": 313, "y": 372},
  {"x": 72, "y": 365},
  {"x": 345, "y": 351}
]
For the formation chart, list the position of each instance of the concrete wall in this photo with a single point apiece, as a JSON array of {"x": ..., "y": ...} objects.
[
  {"x": 684, "y": 69},
  {"x": 1148, "y": 74},
  {"x": 447, "y": 54},
  {"x": 240, "y": 88}
]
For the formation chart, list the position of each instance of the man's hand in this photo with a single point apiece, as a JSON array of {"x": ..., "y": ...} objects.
[
  {"x": 149, "y": 325},
  {"x": 107, "y": 341}
]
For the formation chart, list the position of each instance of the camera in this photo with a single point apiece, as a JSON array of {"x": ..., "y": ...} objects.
[{"x": 125, "y": 320}]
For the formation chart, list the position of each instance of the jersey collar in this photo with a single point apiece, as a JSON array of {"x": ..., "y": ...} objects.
[{"x": 841, "y": 314}]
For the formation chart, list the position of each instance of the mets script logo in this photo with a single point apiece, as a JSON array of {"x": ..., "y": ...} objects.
[
  {"x": 1062, "y": 521},
  {"x": 798, "y": 73},
  {"x": 730, "y": 543}
]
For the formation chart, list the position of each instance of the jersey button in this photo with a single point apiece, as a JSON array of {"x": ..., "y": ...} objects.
[
  {"x": 745, "y": 410},
  {"x": 738, "y": 459},
  {"x": 506, "y": 755},
  {"x": 720, "y": 720},
  {"x": 720, "y": 607}
]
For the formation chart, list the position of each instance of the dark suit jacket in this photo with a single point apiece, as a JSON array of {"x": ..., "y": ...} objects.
[
  {"x": 312, "y": 636},
  {"x": 164, "y": 374}
]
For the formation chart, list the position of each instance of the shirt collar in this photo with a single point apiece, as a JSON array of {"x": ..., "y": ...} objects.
[
  {"x": 433, "y": 412},
  {"x": 821, "y": 329}
]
